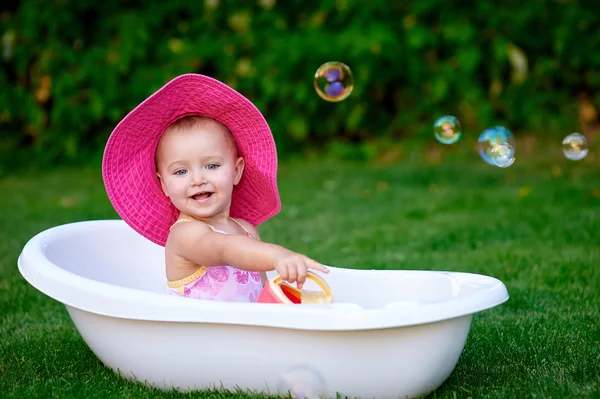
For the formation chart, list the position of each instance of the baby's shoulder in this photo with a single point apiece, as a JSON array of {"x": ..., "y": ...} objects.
[
  {"x": 248, "y": 226},
  {"x": 184, "y": 227},
  {"x": 186, "y": 235}
]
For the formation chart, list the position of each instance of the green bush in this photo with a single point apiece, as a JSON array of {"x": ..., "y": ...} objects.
[{"x": 70, "y": 70}]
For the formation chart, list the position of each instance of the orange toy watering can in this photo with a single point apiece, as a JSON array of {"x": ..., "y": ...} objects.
[{"x": 278, "y": 291}]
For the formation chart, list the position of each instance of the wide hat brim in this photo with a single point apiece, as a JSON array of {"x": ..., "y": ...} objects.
[{"x": 128, "y": 166}]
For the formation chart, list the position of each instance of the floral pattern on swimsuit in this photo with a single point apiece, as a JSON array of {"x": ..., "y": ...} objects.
[{"x": 219, "y": 283}]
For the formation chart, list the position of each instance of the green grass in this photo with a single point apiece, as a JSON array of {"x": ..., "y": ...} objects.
[{"x": 534, "y": 225}]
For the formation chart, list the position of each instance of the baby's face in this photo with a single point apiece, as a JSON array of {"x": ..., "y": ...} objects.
[{"x": 198, "y": 168}]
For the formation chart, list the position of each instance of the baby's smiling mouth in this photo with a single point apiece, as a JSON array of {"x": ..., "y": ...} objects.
[{"x": 201, "y": 196}]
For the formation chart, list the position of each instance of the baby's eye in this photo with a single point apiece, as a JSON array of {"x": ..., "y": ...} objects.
[
  {"x": 180, "y": 172},
  {"x": 212, "y": 166}
]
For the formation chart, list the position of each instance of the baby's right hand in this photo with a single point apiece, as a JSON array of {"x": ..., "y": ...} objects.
[{"x": 292, "y": 267}]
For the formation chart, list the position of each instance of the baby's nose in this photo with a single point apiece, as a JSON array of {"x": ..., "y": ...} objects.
[{"x": 198, "y": 178}]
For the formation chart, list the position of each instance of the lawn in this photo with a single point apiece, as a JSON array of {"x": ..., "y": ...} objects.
[{"x": 534, "y": 226}]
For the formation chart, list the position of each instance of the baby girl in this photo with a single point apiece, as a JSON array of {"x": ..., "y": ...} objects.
[{"x": 193, "y": 168}]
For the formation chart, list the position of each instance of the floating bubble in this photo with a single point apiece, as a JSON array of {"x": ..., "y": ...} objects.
[
  {"x": 302, "y": 382},
  {"x": 447, "y": 129},
  {"x": 334, "y": 81},
  {"x": 491, "y": 137},
  {"x": 575, "y": 146},
  {"x": 503, "y": 155}
]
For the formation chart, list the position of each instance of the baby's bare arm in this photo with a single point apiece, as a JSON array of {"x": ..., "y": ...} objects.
[
  {"x": 252, "y": 229},
  {"x": 197, "y": 243}
]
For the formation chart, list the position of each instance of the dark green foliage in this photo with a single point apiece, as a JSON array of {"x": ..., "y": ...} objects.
[{"x": 70, "y": 70}]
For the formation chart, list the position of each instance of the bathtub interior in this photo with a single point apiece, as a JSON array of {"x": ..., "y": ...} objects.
[{"x": 113, "y": 253}]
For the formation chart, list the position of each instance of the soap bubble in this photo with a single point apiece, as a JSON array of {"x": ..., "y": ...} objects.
[
  {"x": 334, "y": 81},
  {"x": 447, "y": 129},
  {"x": 302, "y": 382},
  {"x": 503, "y": 155},
  {"x": 575, "y": 146},
  {"x": 491, "y": 137}
]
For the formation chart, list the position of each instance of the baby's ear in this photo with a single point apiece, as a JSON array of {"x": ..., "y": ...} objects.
[
  {"x": 238, "y": 170},
  {"x": 162, "y": 185}
]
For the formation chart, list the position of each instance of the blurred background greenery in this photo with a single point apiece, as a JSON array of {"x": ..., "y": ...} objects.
[{"x": 70, "y": 70}]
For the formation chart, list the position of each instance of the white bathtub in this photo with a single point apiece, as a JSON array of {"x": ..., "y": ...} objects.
[{"x": 388, "y": 334}]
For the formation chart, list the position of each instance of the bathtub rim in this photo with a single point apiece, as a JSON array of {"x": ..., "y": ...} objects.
[{"x": 130, "y": 303}]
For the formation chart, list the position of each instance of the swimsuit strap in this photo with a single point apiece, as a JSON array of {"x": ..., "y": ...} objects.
[
  {"x": 239, "y": 224},
  {"x": 213, "y": 229}
]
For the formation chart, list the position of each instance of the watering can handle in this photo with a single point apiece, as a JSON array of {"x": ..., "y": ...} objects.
[{"x": 314, "y": 277}]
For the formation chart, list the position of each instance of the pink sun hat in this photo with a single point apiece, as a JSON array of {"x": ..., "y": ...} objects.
[{"x": 128, "y": 167}]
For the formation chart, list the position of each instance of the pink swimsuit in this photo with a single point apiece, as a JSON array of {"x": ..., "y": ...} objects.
[{"x": 219, "y": 283}]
